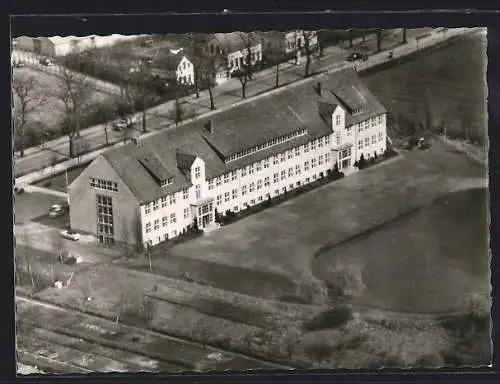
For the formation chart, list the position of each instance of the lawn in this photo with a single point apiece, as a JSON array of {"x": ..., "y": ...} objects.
[
  {"x": 49, "y": 116},
  {"x": 418, "y": 263},
  {"x": 449, "y": 84},
  {"x": 276, "y": 241}
]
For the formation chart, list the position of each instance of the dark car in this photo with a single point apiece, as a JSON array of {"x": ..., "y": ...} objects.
[
  {"x": 357, "y": 56},
  {"x": 45, "y": 62}
]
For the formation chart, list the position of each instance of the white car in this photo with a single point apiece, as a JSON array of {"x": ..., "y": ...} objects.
[
  {"x": 70, "y": 235},
  {"x": 56, "y": 210},
  {"x": 118, "y": 125}
]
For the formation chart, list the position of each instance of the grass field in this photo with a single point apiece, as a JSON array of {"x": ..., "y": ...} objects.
[
  {"x": 58, "y": 182},
  {"x": 416, "y": 263},
  {"x": 51, "y": 113},
  {"x": 449, "y": 83}
]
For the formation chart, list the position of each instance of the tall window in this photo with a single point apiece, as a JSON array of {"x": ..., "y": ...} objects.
[
  {"x": 148, "y": 227},
  {"x": 155, "y": 205},
  {"x": 198, "y": 191},
  {"x": 380, "y": 136},
  {"x": 313, "y": 163},
  {"x": 226, "y": 196},
  {"x": 276, "y": 177},
  {"x": 164, "y": 221},
  {"x": 210, "y": 184},
  {"x": 259, "y": 184},
  {"x": 266, "y": 182},
  {"x": 226, "y": 178},
  {"x": 147, "y": 209},
  {"x": 185, "y": 193},
  {"x": 233, "y": 175},
  {"x": 259, "y": 166},
  {"x": 374, "y": 139},
  {"x": 252, "y": 187},
  {"x": 186, "y": 213},
  {"x": 243, "y": 172},
  {"x": 306, "y": 165},
  {"x": 320, "y": 159},
  {"x": 290, "y": 172},
  {"x": 360, "y": 144},
  {"x": 306, "y": 147},
  {"x": 283, "y": 174},
  {"x": 219, "y": 199},
  {"x": 244, "y": 190},
  {"x": 197, "y": 172},
  {"x": 250, "y": 169},
  {"x": 234, "y": 194},
  {"x": 266, "y": 163},
  {"x": 218, "y": 181},
  {"x": 173, "y": 219},
  {"x": 157, "y": 224},
  {"x": 367, "y": 141},
  {"x": 163, "y": 201},
  {"x": 337, "y": 120},
  {"x": 297, "y": 169},
  {"x": 172, "y": 199},
  {"x": 105, "y": 232}
]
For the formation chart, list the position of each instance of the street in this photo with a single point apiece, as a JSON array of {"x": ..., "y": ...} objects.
[{"x": 224, "y": 94}]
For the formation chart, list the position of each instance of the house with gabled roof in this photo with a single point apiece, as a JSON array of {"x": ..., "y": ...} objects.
[
  {"x": 154, "y": 188},
  {"x": 237, "y": 47}
]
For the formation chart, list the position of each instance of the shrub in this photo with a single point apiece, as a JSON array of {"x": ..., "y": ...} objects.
[
  {"x": 332, "y": 318},
  {"x": 312, "y": 291},
  {"x": 347, "y": 280}
]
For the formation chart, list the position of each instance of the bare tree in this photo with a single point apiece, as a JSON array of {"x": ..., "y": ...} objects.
[
  {"x": 27, "y": 100},
  {"x": 245, "y": 72},
  {"x": 75, "y": 93},
  {"x": 81, "y": 146},
  {"x": 276, "y": 54},
  {"x": 308, "y": 49},
  {"x": 351, "y": 36},
  {"x": 210, "y": 66},
  {"x": 404, "y": 38},
  {"x": 197, "y": 44},
  {"x": 379, "y": 33}
]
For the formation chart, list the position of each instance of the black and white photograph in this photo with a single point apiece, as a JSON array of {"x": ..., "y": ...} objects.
[{"x": 251, "y": 200}]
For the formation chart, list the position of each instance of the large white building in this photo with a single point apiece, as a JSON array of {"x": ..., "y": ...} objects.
[{"x": 153, "y": 189}]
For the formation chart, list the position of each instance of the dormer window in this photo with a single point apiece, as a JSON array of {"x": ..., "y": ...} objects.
[
  {"x": 166, "y": 182},
  {"x": 337, "y": 120},
  {"x": 356, "y": 111},
  {"x": 197, "y": 173}
]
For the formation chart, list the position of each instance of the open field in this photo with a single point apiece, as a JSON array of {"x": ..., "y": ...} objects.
[
  {"x": 415, "y": 263},
  {"x": 51, "y": 113},
  {"x": 448, "y": 84}
]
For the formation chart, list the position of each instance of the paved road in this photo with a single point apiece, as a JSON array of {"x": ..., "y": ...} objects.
[{"x": 224, "y": 94}]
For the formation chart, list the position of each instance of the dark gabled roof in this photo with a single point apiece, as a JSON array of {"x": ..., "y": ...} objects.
[
  {"x": 350, "y": 97},
  {"x": 235, "y": 41},
  {"x": 184, "y": 161},
  {"x": 152, "y": 163},
  {"x": 240, "y": 127}
]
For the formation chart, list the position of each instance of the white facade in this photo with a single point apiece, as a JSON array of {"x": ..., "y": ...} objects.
[
  {"x": 294, "y": 40},
  {"x": 254, "y": 183},
  {"x": 185, "y": 71},
  {"x": 236, "y": 60}
]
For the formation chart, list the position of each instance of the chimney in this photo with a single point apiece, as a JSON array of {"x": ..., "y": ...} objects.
[
  {"x": 208, "y": 126},
  {"x": 318, "y": 88}
]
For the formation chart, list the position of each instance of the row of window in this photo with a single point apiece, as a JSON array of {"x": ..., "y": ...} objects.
[
  {"x": 372, "y": 122},
  {"x": 268, "y": 144},
  {"x": 366, "y": 142},
  {"x": 166, "y": 182},
  {"x": 240, "y": 61},
  {"x": 261, "y": 198},
  {"x": 103, "y": 185},
  {"x": 258, "y": 166},
  {"x": 165, "y": 221},
  {"x": 277, "y": 177},
  {"x": 164, "y": 201}
]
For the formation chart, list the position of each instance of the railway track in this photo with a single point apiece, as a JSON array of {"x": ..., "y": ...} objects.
[{"x": 259, "y": 362}]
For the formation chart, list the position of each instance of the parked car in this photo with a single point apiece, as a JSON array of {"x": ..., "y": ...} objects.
[
  {"x": 355, "y": 56},
  {"x": 18, "y": 64},
  {"x": 56, "y": 212},
  {"x": 423, "y": 143},
  {"x": 70, "y": 235},
  {"x": 18, "y": 190},
  {"x": 45, "y": 62},
  {"x": 123, "y": 123}
]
